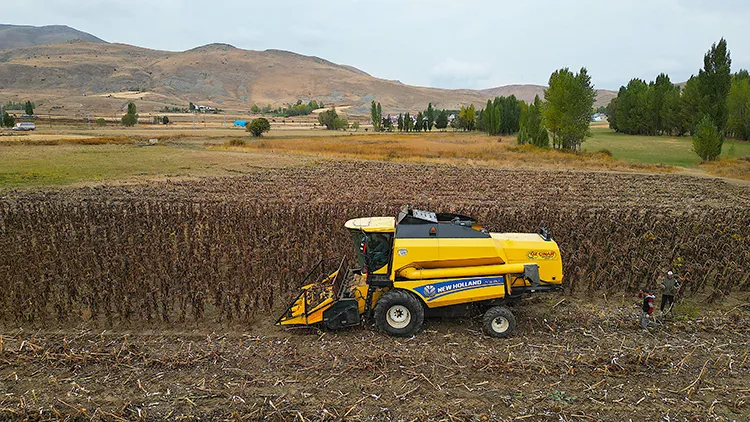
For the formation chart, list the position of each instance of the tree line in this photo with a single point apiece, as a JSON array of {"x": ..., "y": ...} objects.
[
  {"x": 289, "y": 110},
  {"x": 564, "y": 114},
  {"x": 712, "y": 105}
]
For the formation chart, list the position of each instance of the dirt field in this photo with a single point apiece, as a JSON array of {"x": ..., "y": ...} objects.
[
  {"x": 568, "y": 360},
  {"x": 156, "y": 300}
]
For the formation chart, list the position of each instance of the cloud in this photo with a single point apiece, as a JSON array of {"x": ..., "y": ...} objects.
[
  {"x": 441, "y": 43},
  {"x": 453, "y": 73}
]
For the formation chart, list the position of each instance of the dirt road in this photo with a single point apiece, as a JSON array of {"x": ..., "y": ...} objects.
[{"x": 568, "y": 360}]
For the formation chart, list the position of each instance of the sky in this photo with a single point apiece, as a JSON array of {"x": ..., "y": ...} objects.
[{"x": 445, "y": 44}]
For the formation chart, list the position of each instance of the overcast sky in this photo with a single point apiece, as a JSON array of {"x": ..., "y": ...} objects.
[{"x": 445, "y": 44}]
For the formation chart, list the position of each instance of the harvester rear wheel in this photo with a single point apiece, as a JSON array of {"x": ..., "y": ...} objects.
[
  {"x": 498, "y": 321},
  {"x": 399, "y": 313}
]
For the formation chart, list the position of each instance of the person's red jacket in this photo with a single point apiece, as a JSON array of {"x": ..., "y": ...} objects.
[{"x": 648, "y": 302}]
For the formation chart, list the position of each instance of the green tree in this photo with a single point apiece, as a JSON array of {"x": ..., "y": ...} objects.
[
  {"x": 671, "y": 111},
  {"x": 129, "y": 120},
  {"x": 570, "y": 101},
  {"x": 532, "y": 130},
  {"x": 611, "y": 112},
  {"x": 191, "y": 107},
  {"x": 662, "y": 88},
  {"x": 386, "y": 124},
  {"x": 633, "y": 114},
  {"x": 131, "y": 117},
  {"x": 101, "y": 122},
  {"x": 29, "y": 108},
  {"x": 376, "y": 116},
  {"x": 715, "y": 81},
  {"x": 258, "y": 126},
  {"x": 8, "y": 120},
  {"x": 441, "y": 121},
  {"x": 165, "y": 120},
  {"x": 355, "y": 125},
  {"x": 522, "y": 137},
  {"x": 690, "y": 107},
  {"x": 467, "y": 116},
  {"x": 408, "y": 122},
  {"x": 430, "y": 114},
  {"x": 400, "y": 122},
  {"x": 419, "y": 124},
  {"x": 738, "y": 106},
  {"x": 491, "y": 119},
  {"x": 254, "y": 108},
  {"x": 707, "y": 139},
  {"x": 330, "y": 119},
  {"x": 510, "y": 114},
  {"x": 340, "y": 123}
]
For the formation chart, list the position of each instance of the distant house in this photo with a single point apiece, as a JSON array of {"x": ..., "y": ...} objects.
[
  {"x": 204, "y": 109},
  {"x": 240, "y": 123}
]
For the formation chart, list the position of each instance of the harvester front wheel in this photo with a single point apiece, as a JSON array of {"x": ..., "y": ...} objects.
[
  {"x": 498, "y": 321},
  {"x": 399, "y": 313}
]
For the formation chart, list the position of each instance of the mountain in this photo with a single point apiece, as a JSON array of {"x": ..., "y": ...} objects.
[
  {"x": 93, "y": 76},
  {"x": 14, "y": 36}
]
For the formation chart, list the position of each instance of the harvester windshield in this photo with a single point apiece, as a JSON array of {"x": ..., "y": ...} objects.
[{"x": 378, "y": 248}]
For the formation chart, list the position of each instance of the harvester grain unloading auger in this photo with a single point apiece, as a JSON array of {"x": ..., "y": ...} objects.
[{"x": 428, "y": 264}]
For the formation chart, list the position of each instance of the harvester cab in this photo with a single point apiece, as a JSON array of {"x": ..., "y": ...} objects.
[{"x": 425, "y": 263}]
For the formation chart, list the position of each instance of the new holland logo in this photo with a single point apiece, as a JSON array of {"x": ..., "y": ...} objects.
[
  {"x": 536, "y": 255},
  {"x": 430, "y": 290}
]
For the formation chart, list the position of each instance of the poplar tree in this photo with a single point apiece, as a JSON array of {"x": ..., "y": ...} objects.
[{"x": 430, "y": 114}]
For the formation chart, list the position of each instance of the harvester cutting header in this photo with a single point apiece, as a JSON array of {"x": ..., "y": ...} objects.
[{"x": 426, "y": 263}]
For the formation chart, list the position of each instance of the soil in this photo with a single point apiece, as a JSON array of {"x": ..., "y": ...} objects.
[{"x": 568, "y": 359}]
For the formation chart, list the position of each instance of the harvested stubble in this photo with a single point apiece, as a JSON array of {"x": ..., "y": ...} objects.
[
  {"x": 574, "y": 360},
  {"x": 225, "y": 249}
]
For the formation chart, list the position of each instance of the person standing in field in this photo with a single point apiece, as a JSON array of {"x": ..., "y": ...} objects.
[
  {"x": 647, "y": 308},
  {"x": 669, "y": 289}
]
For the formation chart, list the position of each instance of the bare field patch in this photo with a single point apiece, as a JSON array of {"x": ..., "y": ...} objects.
[{"x": 442, "y": 147}]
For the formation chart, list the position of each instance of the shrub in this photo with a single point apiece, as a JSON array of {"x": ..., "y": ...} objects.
[
  {"x": 8, "y": 120},
  {"x": 707, "y": 140},
  {"x": 606, "y": 152},
  {"x": 101, "y": 122},
  {"x": 237, "y": 142},
  {"x": 129, "y": 119}
]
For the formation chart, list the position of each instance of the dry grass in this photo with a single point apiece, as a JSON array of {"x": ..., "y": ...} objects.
[
  {"x": 100, "y": 140},
  {"x": 442, "y": 147},
  {"x": 734, "y": 168}
]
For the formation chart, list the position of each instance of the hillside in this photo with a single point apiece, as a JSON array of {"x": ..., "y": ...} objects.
[
  {"x": 15, "y": 36},
  {"x": 86, "y": 76}
]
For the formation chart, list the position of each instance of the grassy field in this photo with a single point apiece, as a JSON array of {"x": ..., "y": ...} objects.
[
  {"x": 63, "y": 155},
  {"x": 668, "y": 150},
  {"x": 66, "y": 164}
]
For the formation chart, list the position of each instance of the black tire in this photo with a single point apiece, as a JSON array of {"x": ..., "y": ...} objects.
[
  {"x": 498, "y": 321},
  {"x": 399, "y": 313}
]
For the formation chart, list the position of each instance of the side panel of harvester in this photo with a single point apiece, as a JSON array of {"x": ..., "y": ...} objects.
[{"x": 445, "y": 292}]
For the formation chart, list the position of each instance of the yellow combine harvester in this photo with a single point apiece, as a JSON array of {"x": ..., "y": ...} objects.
[{"x": 423, "y": 263}]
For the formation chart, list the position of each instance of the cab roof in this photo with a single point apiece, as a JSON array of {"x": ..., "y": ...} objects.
[{"x": 372, "y": 224}]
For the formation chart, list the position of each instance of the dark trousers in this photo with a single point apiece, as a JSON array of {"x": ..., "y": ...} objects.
[{"x": 666, "y": 301}]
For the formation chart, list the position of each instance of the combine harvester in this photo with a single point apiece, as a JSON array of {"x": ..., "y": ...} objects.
[{"x": 427, "y": 264}]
